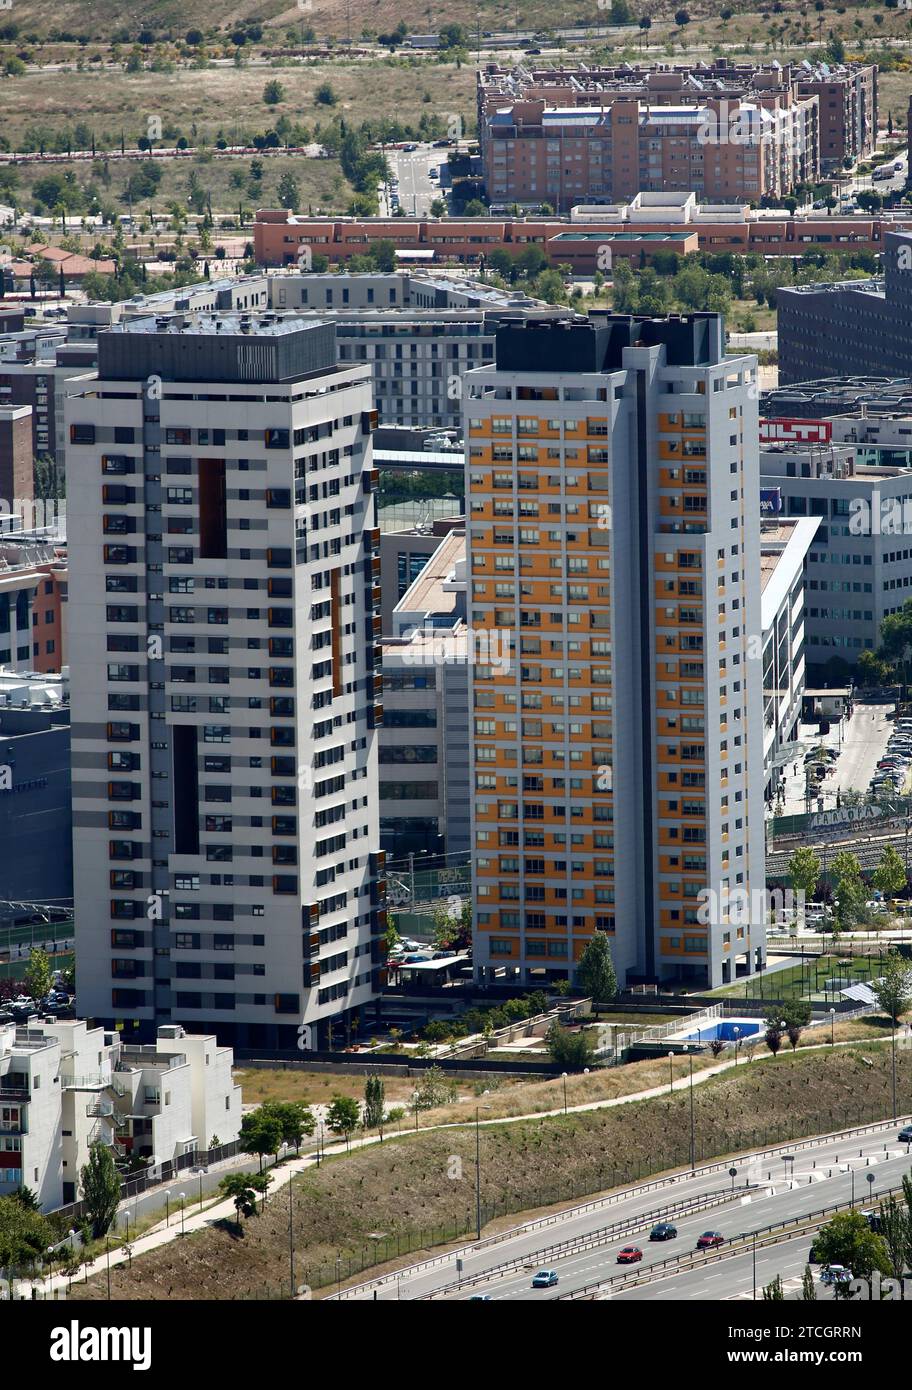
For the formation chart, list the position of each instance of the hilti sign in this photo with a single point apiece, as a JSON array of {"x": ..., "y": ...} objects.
[{"x": 786, "y": 431}]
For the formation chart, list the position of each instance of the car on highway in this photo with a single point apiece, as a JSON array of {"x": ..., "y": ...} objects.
[
  {"x": 905, "y": 1134},
  {"x": 835, "y": 1274},
  {"x": 410, "y": 147},
  {"x": 480, "y": 1298},
  {"x": 710, "y": 1239},
  {"x": 663, "y": 1231},
  {"x": 629, "y": 1255},
  {"x": 544, "y": 1279}
]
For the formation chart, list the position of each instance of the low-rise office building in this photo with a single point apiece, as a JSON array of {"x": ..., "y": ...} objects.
[
  {"x": 425, "y": 785},
  {"x": 784, "y": 546}
]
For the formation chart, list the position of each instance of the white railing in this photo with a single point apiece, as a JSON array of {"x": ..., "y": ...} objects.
[{"x": 689, "y": 1023}]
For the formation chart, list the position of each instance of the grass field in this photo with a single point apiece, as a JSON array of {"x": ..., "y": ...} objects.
[
  {"x": 313, "y": 1088},
  {"x": 322, "y": 185},
  {"x": 802, "y": 979},
  {"x": 358, "y": 1207},
  {"x": 202, "y": 104}
]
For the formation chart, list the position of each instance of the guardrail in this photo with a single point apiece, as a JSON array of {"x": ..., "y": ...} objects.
[
  {"x": 614, "y": 1198},
  {"x": 776, "y": 1234},
  {"x": 577, "y": 1244}
]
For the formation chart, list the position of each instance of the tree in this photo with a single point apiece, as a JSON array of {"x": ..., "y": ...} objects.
[
  {"x": 324, "y": 95},
  {"x": 850, "y": 891},
  {"x": 849, "y": 1241},
  {"x": 803, "y": 873},
  {"x": 26, "y": 1198},
  {"x": 289, "y": 192},
  {"x": 24, "y": 1234},
  {"x": 343, "y": 1117},
  {"x": 893, "y": 990},
  {"x": 273, "y": 93},
  {"x": 595, "y": 973},
  {"x": 890, "y": 875},
  {"x": 100, "y": 1188},
  {"x": 435, "y": 1088},
  {"x": 453, "y": 924},
  {"x": 773, "y": 1038},
  {"x": 37, "y": 978},
  {"x": 808, "y": 1289},
  {"x": 294, "y": 1118},
  {"x": 374, "y": 1099},
  {"x": 682, "y": 18},
  {"x": 570, "y": 1050},
  {"x": 261, "y": 1133},
  {"x": 896, "y": 1231},
  {"x": 241, "y": 1188},
  {"x": 774, "y": 1292},
  {"x": 438, "y": 208}
]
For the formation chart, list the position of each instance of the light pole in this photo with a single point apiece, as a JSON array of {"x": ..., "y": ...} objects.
[
  {"x": 182, "y": 1198},
  {"x": 755, "y": 1265},
  {"x": 291, "y": 1269},
  {"x": 737, "y": 1034},
  {"x": 853, "y": 1188},
  {"x": 671, "y": 1075},
  {"x": 832, "y": 1027},
  {"x": 564, "y": 1077},
  {"x": 895, "y": 1026},
  {"x": 478, "y": 1108},
  {"x": 167, "y": 1209},
  {"x": 693, "y": 1136},
  {"x": 108, "y": 1262}
]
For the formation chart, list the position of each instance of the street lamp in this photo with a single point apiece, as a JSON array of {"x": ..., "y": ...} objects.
[
  {"x": 693, "y": 1138},
  {"x": 737, "y": 1035},
  {"x": 108, "y": 1261},
  {"x": 167, "y": 1209},
  {"x": 564, "y": 1077},
  {"x": 182, "y": 1197},
  {"x": 895, "y": 1026},
  {"x": 671, "y": 1074},
  {"x": 832, "y": 1027},
  {"x": 478, "y": 1168}
]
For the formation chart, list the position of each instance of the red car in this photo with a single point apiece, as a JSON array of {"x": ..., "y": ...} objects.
[
  {"x": 629, "y": 1255},
  {"x": 709, "y": 1240}
]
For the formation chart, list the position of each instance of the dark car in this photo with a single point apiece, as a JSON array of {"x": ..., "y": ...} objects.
[
  {"x": 905, "y": 1134},
  {"x": 710, "y": 1239},
  {"x": 664, "y": 1231},
  {"x": 629, "y": 1255}
]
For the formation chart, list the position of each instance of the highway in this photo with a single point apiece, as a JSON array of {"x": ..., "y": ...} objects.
[{"x": 769, "y": 1189}]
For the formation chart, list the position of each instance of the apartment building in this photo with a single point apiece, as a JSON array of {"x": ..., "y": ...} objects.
[
  {"x": 596, "y": 135},
  {"x": 65, "y": 1085},
  {"x": 224, "y": 612},
  {"x": 425, "y": 780},
  {"x": 613, "y": 548}
]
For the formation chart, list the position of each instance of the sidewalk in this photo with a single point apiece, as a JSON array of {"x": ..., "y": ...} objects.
[{"x": 162, "y": 1235}]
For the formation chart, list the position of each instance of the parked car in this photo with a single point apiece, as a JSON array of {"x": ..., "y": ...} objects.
[
  {"x": 544, "y": 1279},
  {"x": 629, "y": 1255},
  {"x": 663, "y": 1231},
  {"x": 710, "y": 1239}
]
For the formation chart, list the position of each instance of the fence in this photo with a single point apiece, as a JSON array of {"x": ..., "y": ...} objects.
[
  {"x": 160, "y": 1176},
  {"x": 353, "y": 1261}
]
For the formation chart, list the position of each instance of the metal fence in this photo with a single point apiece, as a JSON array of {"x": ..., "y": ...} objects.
[{"x": 160, "y": 1176}]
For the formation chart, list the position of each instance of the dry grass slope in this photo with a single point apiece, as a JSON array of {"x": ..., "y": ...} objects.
[{"x": 405, "y": 1187}]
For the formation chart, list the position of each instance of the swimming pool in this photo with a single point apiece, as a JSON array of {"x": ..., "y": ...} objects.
[{"x": 725, "y": 1032}]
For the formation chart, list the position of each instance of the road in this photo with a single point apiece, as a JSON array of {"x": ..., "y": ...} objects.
[
  {"x": 417, "y": 190},
  {"x": 767, "y": 1190}
]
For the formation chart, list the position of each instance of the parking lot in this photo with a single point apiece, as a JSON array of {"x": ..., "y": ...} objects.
[{"x": 859, "y": 743}]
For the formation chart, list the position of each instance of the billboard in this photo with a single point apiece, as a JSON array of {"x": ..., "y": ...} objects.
[
  {"x": 786, "y": 430},
  {"x": 770, "y": 501}
]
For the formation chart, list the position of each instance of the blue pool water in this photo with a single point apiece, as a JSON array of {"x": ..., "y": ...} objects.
[{"x": 725, "y": 1032}]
